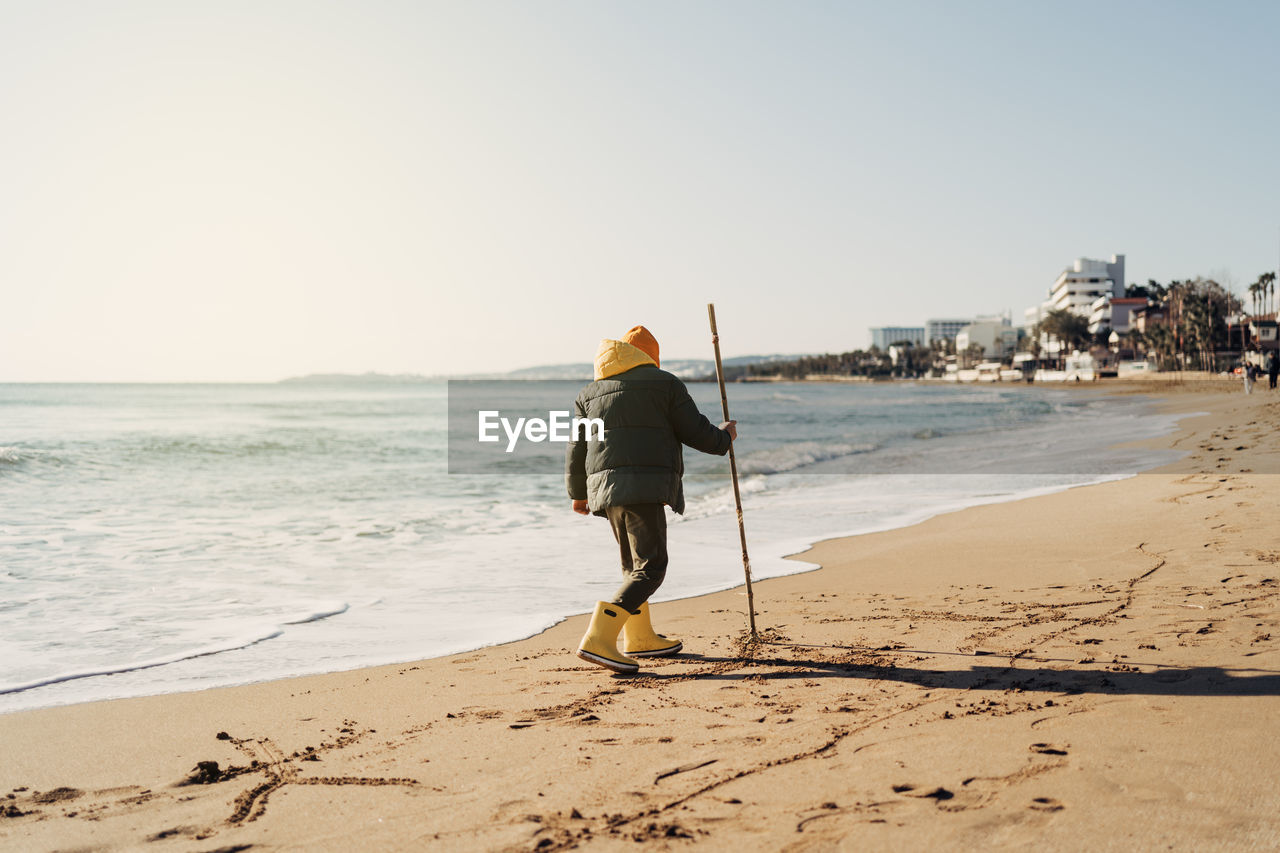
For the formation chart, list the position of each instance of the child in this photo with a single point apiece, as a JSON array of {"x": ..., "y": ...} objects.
[{"x": 629, "y": 477}]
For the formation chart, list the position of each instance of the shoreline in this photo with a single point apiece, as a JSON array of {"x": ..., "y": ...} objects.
[
  {"x": 789, "y": 552},
  {"x": 783, "y": 743}
]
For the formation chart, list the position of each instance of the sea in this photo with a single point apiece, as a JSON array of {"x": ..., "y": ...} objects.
[{"x": 164, "y": 538}]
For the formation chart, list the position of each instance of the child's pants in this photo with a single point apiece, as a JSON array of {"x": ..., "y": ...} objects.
[{"x": 641, "y": 531}]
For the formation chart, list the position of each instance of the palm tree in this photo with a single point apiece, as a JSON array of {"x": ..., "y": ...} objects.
[
  {"x": 1067, "y": 326},
  {"x": 1162, "y": 341},
  {"x": 1263, "y": 291},
  {"x": 1199, "y": 329}
]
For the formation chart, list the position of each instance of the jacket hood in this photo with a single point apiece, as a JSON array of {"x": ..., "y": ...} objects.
[{"x": 616, "y": 357}]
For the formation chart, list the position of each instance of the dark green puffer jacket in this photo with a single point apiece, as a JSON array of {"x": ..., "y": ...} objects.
[{"x": 648, "y": 414}]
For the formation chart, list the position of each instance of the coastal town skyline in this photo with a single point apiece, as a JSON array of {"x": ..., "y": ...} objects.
[{"x": 454, "y": 188}]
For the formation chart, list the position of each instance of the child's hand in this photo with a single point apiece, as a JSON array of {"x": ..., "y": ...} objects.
[
  {"x": 580, "y": 507},
  {"x": 730, "y": 427}
]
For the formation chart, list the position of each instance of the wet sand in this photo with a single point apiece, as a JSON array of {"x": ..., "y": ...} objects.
[{"x": 1094, "y": 669}]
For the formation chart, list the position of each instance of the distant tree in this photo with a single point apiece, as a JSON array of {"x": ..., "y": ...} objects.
[
  {"x": 1265, "y": 289},
  {"x": 973, "y": 354},
  {"x": 944, "y": 346},
  {"x": 1066, "y": 326},
  {"x": 1161, "y": 342},
  {"x": 1196, "y": 312},
  {"x": 913, "y": 360},
  {"x": 1153, "y": 291},
  {"x": 1138, "y": 341}
]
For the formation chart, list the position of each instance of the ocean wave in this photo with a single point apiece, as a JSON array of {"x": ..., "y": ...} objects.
[
  {"x": 242, "y": 643},
  {"x": 224, "y": 447},
  {"x": 798, "y": 455},
  {"x": 321, "y": 614},
  {"x": 21, "y": 457}
]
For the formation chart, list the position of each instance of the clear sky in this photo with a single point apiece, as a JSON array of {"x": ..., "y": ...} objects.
[{"x": 252, "y": 190}]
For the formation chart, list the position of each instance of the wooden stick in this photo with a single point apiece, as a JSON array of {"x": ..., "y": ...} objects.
[{"x": 733, "y": 470}]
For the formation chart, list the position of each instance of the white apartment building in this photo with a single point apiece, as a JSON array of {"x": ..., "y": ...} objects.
[
  {"x": 1088, "y": 287},
  {"x": 1080, "y": 285}
]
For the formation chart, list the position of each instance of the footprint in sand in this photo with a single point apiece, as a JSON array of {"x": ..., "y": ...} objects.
[{"x": 938, "y": 794}]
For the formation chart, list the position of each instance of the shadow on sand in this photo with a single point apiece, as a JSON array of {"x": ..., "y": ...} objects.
[{"x": 1023, "y": 675}]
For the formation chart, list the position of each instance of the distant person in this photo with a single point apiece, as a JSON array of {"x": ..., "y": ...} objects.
[
  {"x": 1273, "y": 370},
  {"x": 630, "y": 477},
  {"x": 1246, "y": 370}
]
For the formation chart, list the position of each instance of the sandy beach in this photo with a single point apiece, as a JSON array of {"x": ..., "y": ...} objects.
[{"x": 1093, "y": 669}]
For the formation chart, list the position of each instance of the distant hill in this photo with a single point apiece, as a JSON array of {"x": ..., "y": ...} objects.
[
  {"x": 577, "y": 370},
  {"x": 369, "y": 378},
  {"x": 685, "y": 368}
]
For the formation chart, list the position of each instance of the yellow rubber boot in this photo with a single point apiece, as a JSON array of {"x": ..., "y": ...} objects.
[
  {"x": 641, "y": 640},
  {"x": 600, "y": 644}
]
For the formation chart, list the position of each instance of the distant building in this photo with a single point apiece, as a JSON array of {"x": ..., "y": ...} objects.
[
  {"x": 1087, "y": 288},
  {"x": 945, "y": 329},
  {"x": 1004, "y": 318},
  {"x": 884, "y": 336},
  {"x": 996, "y": 339},
  {"x": 1115, "y": 313},
  {"x": 1265, "y": 333},
  {"x": 1079, "y": 285},
  {"x": 1144, "y": 318}
]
